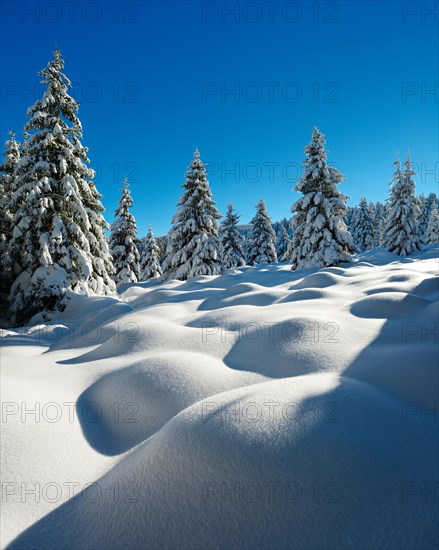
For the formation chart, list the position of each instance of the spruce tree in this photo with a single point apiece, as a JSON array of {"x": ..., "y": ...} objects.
[
  {"x": 232, "y": 254},
  {"x": 58, "y": 241},
  {"x": 320, "y": 237},
  {"x": 379, "y": 223},
  {"x": 193, "y": 247},
  {"x": 162, "y": 243},
  {"x": 283, "y": 241},
  {"x": 431, "y": 201},
  {"x": 7, "y": 179},
  {"x": 424, "y": 217},
  {"x": 149, "y": 261},
  {"x": 401, "y": 232},
  {"x": 363, "y": 231},
  {"x": 351, "y": 212},
  {"x": 123, "y": 240},
  {"x": 432, "y": 235},
  {"x": 262, "y": 238}
]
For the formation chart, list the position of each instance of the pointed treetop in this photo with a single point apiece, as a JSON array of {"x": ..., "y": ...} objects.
[
  {"x": 408, "y": 162},
  {"x": 398, "y": 173},
  {"x": 316, "y": 132},
  {"x": 196, "y": 154}
]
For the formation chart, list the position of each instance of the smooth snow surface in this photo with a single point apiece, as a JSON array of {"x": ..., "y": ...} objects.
[{"x": 261, "y": 408}]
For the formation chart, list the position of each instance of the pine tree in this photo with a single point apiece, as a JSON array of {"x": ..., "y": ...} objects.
[
  {"x": 283, "y": 241},
  {"x": 261, "y": 246},
  {"x": 363, "y": 231},
  {"x": 433, "y": 226},
  {"x": 123, "y": 240},
  {"x": 401, "y": 233},
  {"x": 232, "y": 254},
  {"x": 7, "y": 169},
  {"x": 58, "y": 241},
  {"x": 320, "y": 237},
  {"x": 193, "y": 247},
  {"x": 149, "y": 262}
]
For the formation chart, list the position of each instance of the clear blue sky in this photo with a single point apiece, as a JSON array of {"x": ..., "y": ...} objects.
[{"x": 141, "y": 68}]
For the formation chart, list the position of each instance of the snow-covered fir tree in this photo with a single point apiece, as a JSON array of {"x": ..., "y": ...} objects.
[
  {"x": 426, "y": 205},
  {"x": 432, "y": 235},
  {"x": 262, "y": 239},
  {"x": 150, "y": 267},
  {"x": 232, "y": 254},
  {"x": 193, "y": 246},
  {"x": 351, "y": 212},
  {"x": 162, "y": 243},
  {"x": 7, "y": 169},
  {"x": 320, "y": 236},
  {"x": 363, "y": 231},
  {"x": 379, "y": 223},
  {"x": 432, "y": 200},
  {"x": 58, "y": 241},
  {"x": 282, "y": 244},
  {"x": 123, "y": 240},
  {"x": 277, "y": 226},
  {"x": 424, "y": 217},
  {"x": 401, "y": 232}
]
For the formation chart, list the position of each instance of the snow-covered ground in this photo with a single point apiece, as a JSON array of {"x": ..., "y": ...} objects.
[{"x": 257, "y": 409}]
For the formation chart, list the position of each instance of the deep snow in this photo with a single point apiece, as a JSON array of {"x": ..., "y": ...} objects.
[{"x": 256, "y": 409}]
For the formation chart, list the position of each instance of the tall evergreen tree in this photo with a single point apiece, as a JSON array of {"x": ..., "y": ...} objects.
[
  {"x": 351, "y": 212},
  {"x": 58, "y": 241},
  {"x": 426, "y": 205},
  {"x": 424, "y": 217},
  {"x": 7, "y": 179},
  {"x": 162, "y": 243},
  {"x": 123, "y": 240},
  {"x": 261, "y": 246},
  {"x": 433, "y": 226},
  {"x": 232, "y": 254},
  {"x": 432, "y": 200},
  {"x": 149, "y": 261},
  {"x": 283, "y": 241},
  {"x": 193, "y": 247},
  {"x": 401, "y": 233},
  {"x": 363, "y": 231},
  {"x": 379, "y": 223},
  {"x": 320, "y": 237}
]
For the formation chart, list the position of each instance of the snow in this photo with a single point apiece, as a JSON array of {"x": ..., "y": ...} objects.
[{"x": 273, "y": 409}]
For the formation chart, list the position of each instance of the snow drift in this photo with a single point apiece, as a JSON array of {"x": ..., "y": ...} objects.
[{"x": 257, "y": 409}]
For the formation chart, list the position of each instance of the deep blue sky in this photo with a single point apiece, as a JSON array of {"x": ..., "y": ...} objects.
[{"x": 140, "y": 68}]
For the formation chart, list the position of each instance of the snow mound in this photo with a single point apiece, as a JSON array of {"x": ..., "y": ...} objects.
[
  {"x": 150, "y": 393},
  {"x": 294, "y": 450},
  {"x": 387, "y": 305},
  {"x": 321, "y": 279}
]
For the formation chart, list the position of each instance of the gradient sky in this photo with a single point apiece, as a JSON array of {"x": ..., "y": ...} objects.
[{"x": 153, "y": 77}]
